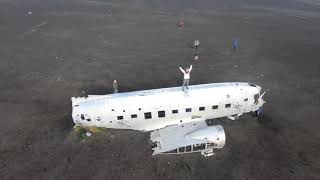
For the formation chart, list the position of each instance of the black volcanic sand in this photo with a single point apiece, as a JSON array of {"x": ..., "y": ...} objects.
[{"x": 65, "y": 47}]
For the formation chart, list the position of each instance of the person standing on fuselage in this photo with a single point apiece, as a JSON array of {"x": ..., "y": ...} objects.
[{"x": 186, "y": 77}]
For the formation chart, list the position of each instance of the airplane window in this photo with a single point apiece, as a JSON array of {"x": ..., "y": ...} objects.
[
  {"x": 134, "y": 116},
  {"x": 188, "y": 110},
  {"x": 182, "y": 149},
  {"x": 253, "y": 85},
  {"x": 246, "y": 99},
  {"x": 119, "y": 117},
  {"x": 88, "y": 119},
  {"x": 161, "y": 114},
  {"x": 82, "y": 116},
  {"x": 172, "y": 151},
  {"x": 147, "y": 115},
  {"x": 174, "y": 111},
  {"x": 201, "y": 108},
  {"x": 228, "y": 105},
  {"x": 215, "y": 107},
  {"x": 198, "y": 147},
  {"x": 188, "y": 148}
]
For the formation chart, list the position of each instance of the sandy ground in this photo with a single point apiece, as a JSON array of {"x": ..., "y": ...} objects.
[{"x": 64, "y": 47}]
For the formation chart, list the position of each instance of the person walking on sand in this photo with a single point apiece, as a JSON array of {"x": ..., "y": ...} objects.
[
  {"x": 235, "y": 45},
  {"x": 186, "y": 77},
  {"x": 115, "y": 86},
  {"x": 196, "y": 57},
  {"x": 196, "y": 44},
  {"x": 180, "y": 24}
]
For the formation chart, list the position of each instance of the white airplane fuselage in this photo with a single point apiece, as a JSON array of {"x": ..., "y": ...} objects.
[{"x": 149, "y": 110}]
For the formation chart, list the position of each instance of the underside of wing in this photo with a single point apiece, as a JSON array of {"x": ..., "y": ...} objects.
[{"x": 188, "y": 138}]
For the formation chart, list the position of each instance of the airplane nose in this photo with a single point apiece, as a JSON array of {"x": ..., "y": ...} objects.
[
  {"x": 259, "y": 89},
  {"x": 74, "y": 115}
]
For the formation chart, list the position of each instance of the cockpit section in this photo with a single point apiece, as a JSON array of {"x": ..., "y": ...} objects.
[
  {"x": 85, "y": 112},
  {"x": 253, "y": 85}
]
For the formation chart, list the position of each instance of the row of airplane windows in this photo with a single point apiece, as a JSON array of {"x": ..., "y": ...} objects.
[
  {"x": 162, "y": 114},
  {"x": 191, "y": 148}
]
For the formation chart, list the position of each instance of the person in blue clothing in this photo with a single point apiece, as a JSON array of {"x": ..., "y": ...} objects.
[{"x": 235, "y": 45}]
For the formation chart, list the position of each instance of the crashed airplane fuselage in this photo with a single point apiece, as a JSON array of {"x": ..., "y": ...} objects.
[{"x": 171, "y": 112}]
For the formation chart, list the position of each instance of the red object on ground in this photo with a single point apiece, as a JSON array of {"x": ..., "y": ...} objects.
[{"x": 180, "y": 23}]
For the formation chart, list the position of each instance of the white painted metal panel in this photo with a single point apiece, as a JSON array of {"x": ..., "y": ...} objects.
[
  {"x": 188, "y": 134},
  {"x": 109, "y": 107}
]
